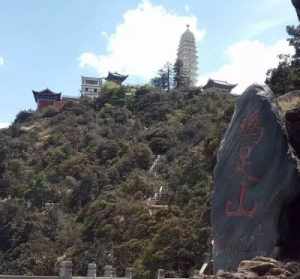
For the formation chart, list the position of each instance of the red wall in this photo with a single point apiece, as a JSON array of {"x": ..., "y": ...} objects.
[{"x": 47, "y": 103}]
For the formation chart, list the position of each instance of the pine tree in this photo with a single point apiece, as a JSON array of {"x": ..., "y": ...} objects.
[
  {"x": 178, "y": 75},
  {"x": 286, "y": 77},
  {"x": 164, "y": 80},
  {"x": 294, "y": 41}
]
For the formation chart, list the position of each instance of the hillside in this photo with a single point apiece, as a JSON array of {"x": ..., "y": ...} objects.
[{"x": 75, "y": 184}]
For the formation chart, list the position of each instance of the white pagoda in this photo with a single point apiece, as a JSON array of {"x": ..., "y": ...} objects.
[{"x": 187, "y": 59}]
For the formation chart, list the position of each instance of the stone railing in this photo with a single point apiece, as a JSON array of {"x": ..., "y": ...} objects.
[
  {"x": 66, "y": 267},
  {"x": 65, "y": 272}
]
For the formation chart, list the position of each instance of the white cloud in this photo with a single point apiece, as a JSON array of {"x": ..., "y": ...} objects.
[
  {"x": 147, "y": 38},
  {"x": 1, "y": 61},
  {"x": 248, "y": 63},
  {"x": 4, "y": 125}
]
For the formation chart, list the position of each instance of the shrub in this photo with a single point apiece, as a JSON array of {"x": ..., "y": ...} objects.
[
  {"x": 23, "y": 116},
  {"x": 49, "y": 112},
  {"x": 107, "y": 150}
]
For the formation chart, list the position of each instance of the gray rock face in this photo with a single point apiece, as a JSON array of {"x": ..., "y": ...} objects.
[
  {"x": 296, "y": 4},
  {"x": 260, "y": 267},
  {"x": 256, "y": 179}
]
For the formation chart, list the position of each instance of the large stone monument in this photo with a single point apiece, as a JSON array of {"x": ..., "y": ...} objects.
[{"x": 256, "y": 196}]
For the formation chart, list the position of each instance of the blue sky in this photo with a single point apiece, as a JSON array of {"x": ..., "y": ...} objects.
[{"x": 52, "y": 43}]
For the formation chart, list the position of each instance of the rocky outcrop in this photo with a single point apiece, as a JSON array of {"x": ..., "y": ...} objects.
[
  {"x": 261, "y": 267},
  {"x": 256, "y": 190}
]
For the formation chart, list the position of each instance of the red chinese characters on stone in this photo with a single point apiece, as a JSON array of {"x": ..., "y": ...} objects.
[
  {"x": 241, "y": 210},
  {"x": 244, "y": 164},
  {"x": 251, "y": 132}
]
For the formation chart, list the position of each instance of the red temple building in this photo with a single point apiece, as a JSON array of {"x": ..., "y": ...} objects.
[{"x": 46, "y": 98}]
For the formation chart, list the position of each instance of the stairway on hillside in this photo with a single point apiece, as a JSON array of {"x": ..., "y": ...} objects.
[
  {"x": 157, "y": 201},
  {"x": 153, "y": 168}
]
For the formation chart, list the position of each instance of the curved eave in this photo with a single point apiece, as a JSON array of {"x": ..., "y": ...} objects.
[
  {"x": 40, "y": 94},
  {"x": 118, "y": 77}
]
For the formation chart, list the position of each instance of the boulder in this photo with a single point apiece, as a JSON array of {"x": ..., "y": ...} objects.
[
  {"x": 256, "y": 186},
  {"x": 264, "y": 268}
]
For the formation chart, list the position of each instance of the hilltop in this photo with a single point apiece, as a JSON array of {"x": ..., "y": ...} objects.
[{"x": 75, "y": 184}]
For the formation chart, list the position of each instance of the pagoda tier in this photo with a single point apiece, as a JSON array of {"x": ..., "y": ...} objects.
[
  {"x": 46, "y": 98},
  {"x": 115, "y": 77}
]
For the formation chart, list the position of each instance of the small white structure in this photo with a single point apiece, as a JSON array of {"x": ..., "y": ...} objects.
[
  {"x": 218, "y": 86},
  {"x": 91, "y": 86}
]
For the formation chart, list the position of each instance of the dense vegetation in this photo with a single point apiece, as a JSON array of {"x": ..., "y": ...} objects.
[
  {"x": 74, "y": 184},
  {"x": 286, "y": 77}
]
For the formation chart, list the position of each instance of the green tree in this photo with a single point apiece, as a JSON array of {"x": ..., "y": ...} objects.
[
  {"x": 23, "y": 116},
  {"x": 164, "y": 80},
  {"x": 286, "y": 76},
  {"x": 179, "y": 80},
  {"x": 38, "y": 192},
  {"x": 279, "y": 79}
]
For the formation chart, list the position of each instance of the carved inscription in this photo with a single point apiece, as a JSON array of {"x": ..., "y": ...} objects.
[{"x": 251, "y": 133}]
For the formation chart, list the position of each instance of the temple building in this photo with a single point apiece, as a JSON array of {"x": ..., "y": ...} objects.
[
  {"x": 116, "y": 78},
  {"x": 91, "y": 86},
  {"x": 218, "y": 86},
  {"x": 46, "y": 98},
  {"x": 186, "y": 62}
]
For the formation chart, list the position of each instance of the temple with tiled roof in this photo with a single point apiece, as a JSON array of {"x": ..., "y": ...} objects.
[
  {"x": 46, "y": 98},
  {"x": 116, "y": 78},
  {"x": 218, "y": 86}
]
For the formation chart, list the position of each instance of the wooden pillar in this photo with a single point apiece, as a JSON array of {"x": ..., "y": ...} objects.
[
  {"x": 108, "y": 271},
  {"x": 129, "y": 273},
  {"x": 65, "y": 271},
  {"x": 92, "y": 270},
  {"x": 161, "y": 274}
]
